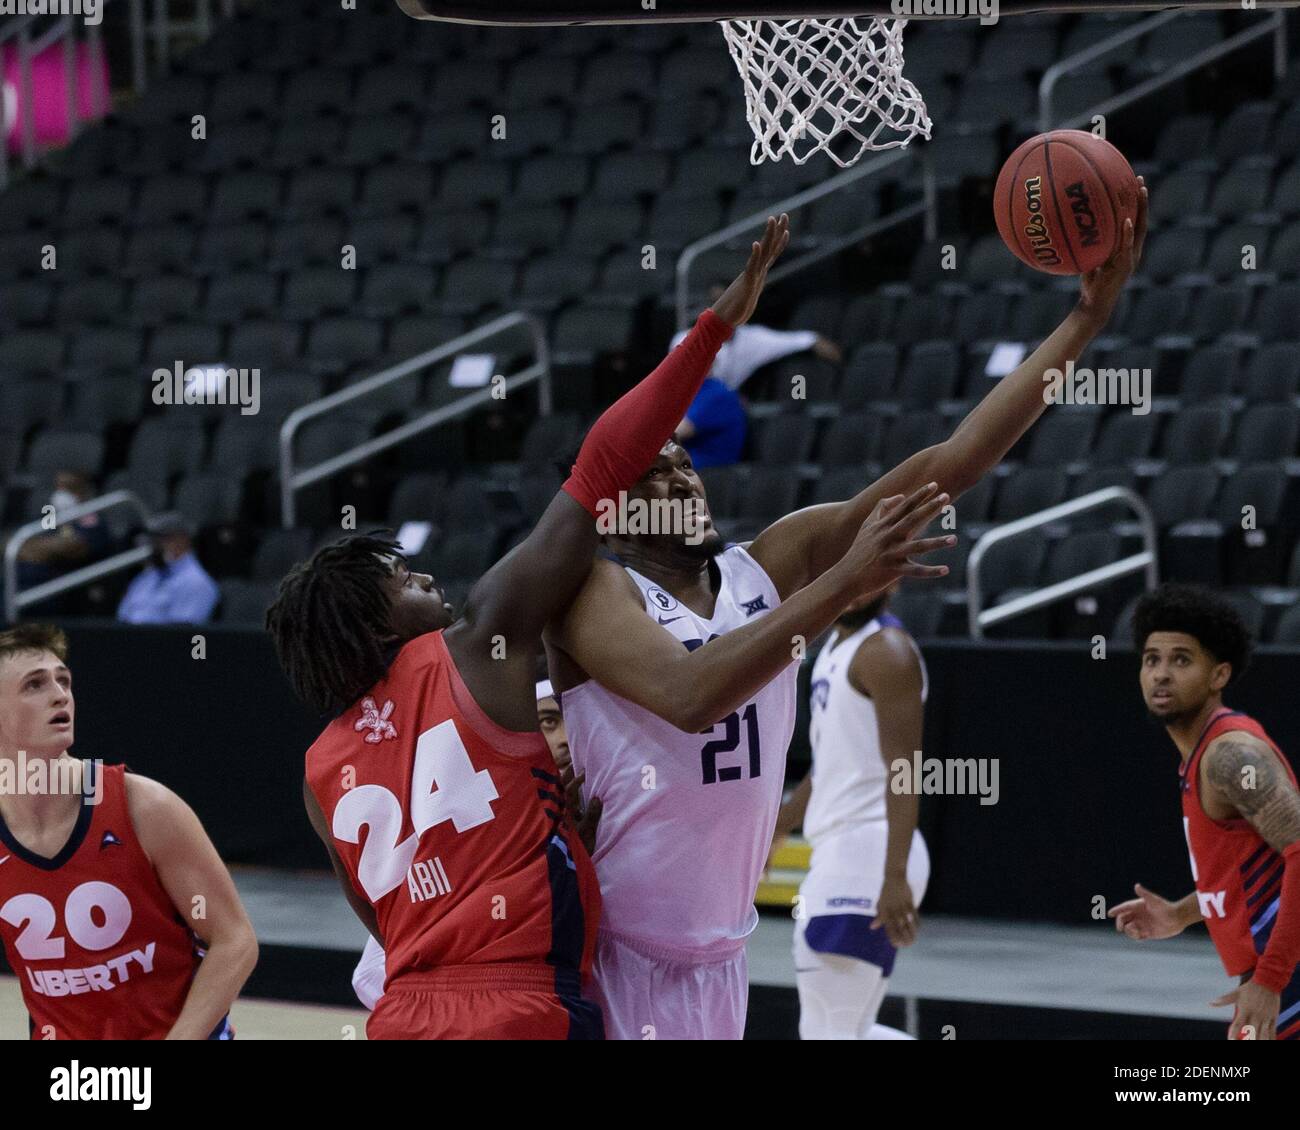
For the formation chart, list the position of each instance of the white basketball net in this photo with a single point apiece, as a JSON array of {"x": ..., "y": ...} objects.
[{"x": 810, "y": 81}]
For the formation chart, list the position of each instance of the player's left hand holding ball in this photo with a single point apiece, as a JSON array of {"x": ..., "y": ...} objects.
[
  {"x": 1256, "y": 1014},
  {"x": 1100, "y": 289}
]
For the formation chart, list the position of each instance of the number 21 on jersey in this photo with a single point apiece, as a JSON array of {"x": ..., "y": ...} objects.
[{"x": 709, "y": 768}]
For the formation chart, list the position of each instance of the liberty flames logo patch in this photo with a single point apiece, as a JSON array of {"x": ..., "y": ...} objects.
[{"x": 376, "y": 721}]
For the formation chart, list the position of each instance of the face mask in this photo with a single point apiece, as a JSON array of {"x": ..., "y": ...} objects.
[{"x": 63, "y": 500}]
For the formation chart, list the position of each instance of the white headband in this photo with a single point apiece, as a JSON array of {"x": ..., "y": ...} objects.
[{"x": 545, "y": 690}]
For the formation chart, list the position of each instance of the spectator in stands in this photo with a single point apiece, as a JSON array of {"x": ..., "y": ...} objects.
[
  {"x": 714, "y": 428},
  {"x": 69, "y": 545},
  {"x": 174, "y": 588}
]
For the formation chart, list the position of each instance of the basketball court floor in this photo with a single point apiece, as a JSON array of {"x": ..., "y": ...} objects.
[{"x": 964, "y": 979}]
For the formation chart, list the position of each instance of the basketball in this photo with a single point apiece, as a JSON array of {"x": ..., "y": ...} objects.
[{"x": 1061, "y": 201}]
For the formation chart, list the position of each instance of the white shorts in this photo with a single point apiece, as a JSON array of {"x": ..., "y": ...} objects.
[
  {"x": 649, "y": 993},
  {"x": 848, "y": 870},
  {"x": 842, "y": 975}
]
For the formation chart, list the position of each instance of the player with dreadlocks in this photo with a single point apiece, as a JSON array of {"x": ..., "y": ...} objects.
[{"x": 469, "y": 871}]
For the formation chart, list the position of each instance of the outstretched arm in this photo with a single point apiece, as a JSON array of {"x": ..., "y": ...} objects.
[
  {"x": 607, "y": 633},
  {"x": 499, "y": 634},
  {"x": 802, "y": 545},
  {"x": 1150, "y": 916}
]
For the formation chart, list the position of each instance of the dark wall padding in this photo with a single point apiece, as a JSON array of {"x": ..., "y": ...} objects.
[
  {"x": 225, "y": 732},
  {"x": 1088, "y": 800}
]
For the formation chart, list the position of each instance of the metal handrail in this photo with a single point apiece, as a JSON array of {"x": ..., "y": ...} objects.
[
  {"x": 1275, "y": 26},
  {"x": 1080, "y": 59},
  {"x": 15, "y": 600},
  {"x": 1049, "y": 594},
  {"x": 292, "y": 481},
  {"x": 858, "y": 172}
]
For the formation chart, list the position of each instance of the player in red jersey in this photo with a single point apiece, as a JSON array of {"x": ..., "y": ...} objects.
[
  {"x": 1241, "y": 811},
  {"x": 107, "y": 880},
  {"x": 368, "y": 977},
  {"x": 469, "y": 872}
]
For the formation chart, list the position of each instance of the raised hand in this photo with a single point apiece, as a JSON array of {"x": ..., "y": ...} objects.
[
  {"x": 883, "y": 550},
  {"x": 1101, "y": 288},
  {"x": 736, "y": 306}
]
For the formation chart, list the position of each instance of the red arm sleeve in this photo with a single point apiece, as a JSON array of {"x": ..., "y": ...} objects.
[
  {"x": 1276, "y": 966},
  {"x": 631, "y": 432}
]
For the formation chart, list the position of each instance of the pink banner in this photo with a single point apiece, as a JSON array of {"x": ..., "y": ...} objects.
[{"x": 49, "y": 94}]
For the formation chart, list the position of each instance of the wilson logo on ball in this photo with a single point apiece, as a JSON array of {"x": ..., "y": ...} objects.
[
  {"x": 1062, "y": 199},
  {"x": 1040, "y": 239}
]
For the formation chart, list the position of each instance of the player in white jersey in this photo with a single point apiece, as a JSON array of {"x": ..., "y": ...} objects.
[
  {"x": 870, "y": 866},
  {"x": 679, "y": 957},
  {"x": 664, "y": 660}
]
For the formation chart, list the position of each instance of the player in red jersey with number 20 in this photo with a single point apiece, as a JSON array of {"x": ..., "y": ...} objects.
[{"x": 116, "y": 912}]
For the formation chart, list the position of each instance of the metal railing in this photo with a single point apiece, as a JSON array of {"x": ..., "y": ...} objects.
[
  {"x": 1039, "y": 598},
  {"x": 163, "y": 27},
  {"x": 1274, "y": 25},
  {"x": 16, "y": 600},
  {"x": 925, "y": 207},
  {"x": 292, "y": 481}
]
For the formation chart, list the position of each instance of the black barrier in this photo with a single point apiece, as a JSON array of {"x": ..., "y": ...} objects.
[
  {"x": 224, "y": 731},
  {"x": 1087, "y": 800},
  {"x": 1088, "y": 787}
]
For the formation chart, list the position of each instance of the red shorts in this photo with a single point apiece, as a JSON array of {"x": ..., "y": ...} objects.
[{"x": 487, "y": 1002}]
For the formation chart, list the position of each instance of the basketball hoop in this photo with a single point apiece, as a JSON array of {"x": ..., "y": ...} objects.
[{"x": 808, "y": 82}]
